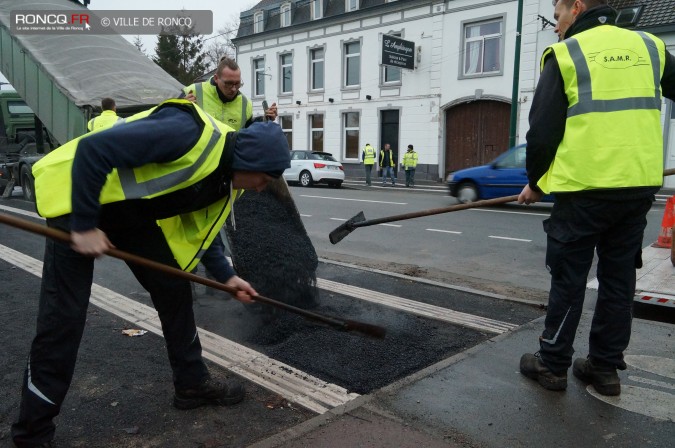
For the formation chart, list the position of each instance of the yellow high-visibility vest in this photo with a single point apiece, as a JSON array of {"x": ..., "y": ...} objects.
[
  {"x": 234, "y": 113},
  {"x": 105, "y": 120},
  {"x": 189, "y": 234},
  {"x": 613, "y": 137},
  {"x": 368, "y": 155},
  {"x": 410, "y": 160}
]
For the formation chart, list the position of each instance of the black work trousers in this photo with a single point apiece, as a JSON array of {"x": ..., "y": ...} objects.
[
  {"x": 577, "y": 227},
  {"x": 64, "y": 297}
]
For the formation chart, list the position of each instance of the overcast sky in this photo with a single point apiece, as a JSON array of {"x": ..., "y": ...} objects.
[{"x": 225, "y": 12}]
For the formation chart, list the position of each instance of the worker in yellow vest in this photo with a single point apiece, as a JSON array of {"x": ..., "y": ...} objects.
[
  {"x": 160, "y": 185},
  {"x": 220, "y": 97},
  {"x": 595, "y": 142},
  {"x": 107, "y": 118},
  {"x": 409, "y": 165},
  {"x": 368, "y": 158},
  {"x": 387, "y": 164}
]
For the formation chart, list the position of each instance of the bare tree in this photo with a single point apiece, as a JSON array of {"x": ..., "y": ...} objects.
[
  {"x": 138, "y": 43},
  {"x": 221, "y": 44}
]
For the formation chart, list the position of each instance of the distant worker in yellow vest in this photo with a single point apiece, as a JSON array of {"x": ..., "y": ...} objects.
[
  {"x": 387, "y": 164},
  {"x": 220, "y": 97},
  {"x": 409, "y": 165},
  {"x": 107, "y": 118},
  {"x": 595, "y": 142},
  {"x": 160, "y": 185},
  {"x": 368, "y": 157}
]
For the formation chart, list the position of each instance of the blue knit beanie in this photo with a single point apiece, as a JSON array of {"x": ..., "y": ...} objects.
[{"x": 261, "y": 147}]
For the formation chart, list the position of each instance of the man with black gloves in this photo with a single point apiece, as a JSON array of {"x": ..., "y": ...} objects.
[
  {"x": 160, "y": 186},
  {"x": 595, "y": 142}
]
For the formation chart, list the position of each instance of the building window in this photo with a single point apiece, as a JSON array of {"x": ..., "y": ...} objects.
[
  {"x": 627, "y": 17},
  {"x": 286, "y": 73},
  {"x": 316, "y": 132},
  {"x": 258, "y": 22},
  {"x": 286, "y": 122},
  {"x": 482, "y": 48},
  {"x": 352, "y": 64},
  {"x": 317, "y": 9},
  {"x": 316, "y": 68},
  {"x": 351, "y": 5},
  {"x": 285, "y": 12},
  {"x": 259, "y": 77},
  {"x": 351, "y": 135}
]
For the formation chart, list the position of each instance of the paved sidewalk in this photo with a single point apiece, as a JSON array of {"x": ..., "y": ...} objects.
[{"x": 479, "y": 399}]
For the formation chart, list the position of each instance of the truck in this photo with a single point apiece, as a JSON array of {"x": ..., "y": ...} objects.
[
  {"x": 23, "y": 140},
  {"x": 59, "y": 82}
]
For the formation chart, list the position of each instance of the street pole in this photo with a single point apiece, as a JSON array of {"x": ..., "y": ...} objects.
[{"x": 516, "y": 78}]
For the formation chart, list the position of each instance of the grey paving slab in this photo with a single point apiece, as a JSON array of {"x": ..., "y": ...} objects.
[{"x": 484, "y": 397}]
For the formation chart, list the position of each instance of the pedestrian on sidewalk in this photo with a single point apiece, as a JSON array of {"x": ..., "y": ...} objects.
[
  {"x": 368, "y": 158},
  {"x": 409, "y": 164},
  {"x": 160, "y": 186},
  {"x": 584, "y": 147},
  {"x": 387, "y": 164}
]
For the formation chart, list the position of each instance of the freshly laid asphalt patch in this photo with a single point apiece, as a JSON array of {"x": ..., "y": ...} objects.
[{"x": 355, "y": 362}]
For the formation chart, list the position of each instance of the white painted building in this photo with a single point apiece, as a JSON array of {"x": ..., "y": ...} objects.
[{"x": 320, "y": 61}]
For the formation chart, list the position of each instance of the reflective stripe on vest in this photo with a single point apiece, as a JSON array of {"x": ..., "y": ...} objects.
[
  {"x": 134, "y": 189},
  {"x": 586, "y": 102}
]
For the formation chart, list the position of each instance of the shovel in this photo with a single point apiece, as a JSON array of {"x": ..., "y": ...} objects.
[
  {"x": 360, "y": 220},
  {"x": 339, "y": 324}
]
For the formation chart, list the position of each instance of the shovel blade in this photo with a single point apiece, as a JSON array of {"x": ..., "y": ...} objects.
[{"x": 346, "y": 228}]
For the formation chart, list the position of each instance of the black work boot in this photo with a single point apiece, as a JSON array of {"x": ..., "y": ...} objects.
[
  {"x": 210, "y": 392},
  {"x": 532, "y": 367},
  {"x": 605, "y": 380}
]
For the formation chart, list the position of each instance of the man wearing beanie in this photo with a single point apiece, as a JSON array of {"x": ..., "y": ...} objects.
[{"x": 160, "y": 185}]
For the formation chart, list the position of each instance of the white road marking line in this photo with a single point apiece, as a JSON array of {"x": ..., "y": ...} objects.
[
  {"x": 305, "y": 216},
  {"x": 649, "y": 402},
  {"x": 505, "y": 211},
  {"x": 418, "y": 308},
  {"x": 444, "y": 231},
  {"x": 657, "y": 365},
  {"x": 663, "y": 384},
  {"x": 353, "y": 200},
  {"x": 287, "y": 381},
  {"x": 18, "y": 211},
  {"x": 338, "y": 219},
  {"x": 510, "y": 239}
]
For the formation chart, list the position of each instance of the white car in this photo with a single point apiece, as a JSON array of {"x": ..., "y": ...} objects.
[{"x": 310, "y": 167}]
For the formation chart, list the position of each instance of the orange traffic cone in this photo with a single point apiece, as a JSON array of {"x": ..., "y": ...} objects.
[{"x": 666, "y": 234}]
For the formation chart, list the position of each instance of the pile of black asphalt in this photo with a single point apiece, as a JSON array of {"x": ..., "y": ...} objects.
[{"x": 271, "y": 250}]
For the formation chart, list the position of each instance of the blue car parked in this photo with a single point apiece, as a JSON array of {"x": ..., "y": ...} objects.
[{"x": 504, "y": 176}]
